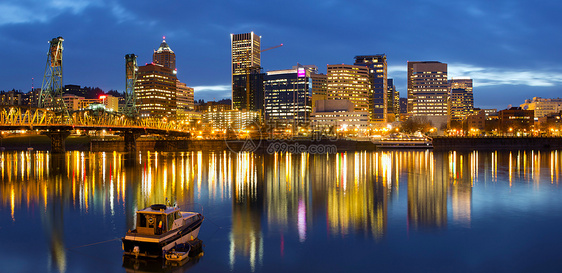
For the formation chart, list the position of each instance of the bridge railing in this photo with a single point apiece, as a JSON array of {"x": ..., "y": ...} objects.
[{"x": 30, "y": 117}]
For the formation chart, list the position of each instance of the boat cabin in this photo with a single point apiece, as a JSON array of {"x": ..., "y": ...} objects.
[{"x": 157, "y": 219}]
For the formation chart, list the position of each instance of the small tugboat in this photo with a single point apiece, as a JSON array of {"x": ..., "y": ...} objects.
[{"x": 159, "y": 228}]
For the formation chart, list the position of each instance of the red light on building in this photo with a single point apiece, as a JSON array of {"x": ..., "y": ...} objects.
[{"x": 103, "y": 97}]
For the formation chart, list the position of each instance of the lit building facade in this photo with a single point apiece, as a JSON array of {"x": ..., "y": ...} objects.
[
  {"x": 349, "y": 82},
  {"x": 393, "y": 104},
  {"x": 465, "y": 84},
  {"x": 230, "y": 119},
  {"x": 476, "y": 121},
  {"x": 515, "y": 119},
  {"x": 164, "y": 56},
  {"x": 461, "y": 104},
  {"x": 246, "y": 60},
  {"x": 461, "y": 99},
  {"x": 378, "y": 93},
  {"x": 11, "y": 98},
  {"x": 543, "y": 107},
  {"x": 288, "y": 95},
  {"x": 332, "y": 116},
  {"x": 76, "y": 103},
  {"x": 222, "y": 105},
  {"x": 72, "y": 102},
  {"x": 427, "y": 88},
  {"x": 156, "y": 91},
  {"x": 185, "y": 99},
  {"x": 319, "y": 87}
]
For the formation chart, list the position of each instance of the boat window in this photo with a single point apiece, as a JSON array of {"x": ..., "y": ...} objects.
[
  {"x": 142, "y": 219},
  {"x": 170, "y": 221},
  {"x": 178, "y": 215}
]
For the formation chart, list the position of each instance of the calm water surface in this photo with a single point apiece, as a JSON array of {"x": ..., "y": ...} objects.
[{"x": 346, "y": 212}]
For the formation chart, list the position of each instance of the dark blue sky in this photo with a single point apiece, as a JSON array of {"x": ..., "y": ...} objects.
[{"x": 510, "y": 48}]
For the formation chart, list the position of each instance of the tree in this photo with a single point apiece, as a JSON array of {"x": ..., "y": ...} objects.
[{"x": 415, "y": 124}]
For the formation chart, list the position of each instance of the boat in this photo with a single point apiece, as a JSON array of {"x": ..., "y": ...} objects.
[
  {"x": 159, "y": 228},
  {"x": 396, "y": 141},
  {"x": 178, "y": 253}
]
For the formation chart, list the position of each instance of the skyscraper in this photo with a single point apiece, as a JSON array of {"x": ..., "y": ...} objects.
[
  {"x": 156, "y": 91},
  {"x": 427, "y": 88},
  {"x": 288, "y": 95},
  {"x": 164, "y": 56},
  {"x": 460, "y": 105},
  {"x": 319, "y": 87},
  {"x": 393, "y": 102},
  {"x": 349, "y": 82},
  {"x": 378, "y": 80},
  {"x": 461, "y": 99},
  {"x": 246, "y": 60}
]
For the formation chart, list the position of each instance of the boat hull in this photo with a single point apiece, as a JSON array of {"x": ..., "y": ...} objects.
[{"x": 154, "y": 246}]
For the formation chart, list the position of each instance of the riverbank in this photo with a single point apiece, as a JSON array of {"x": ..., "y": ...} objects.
[
  {"x": 115, "y": 143},
  {"x": 497, "y": 143}
]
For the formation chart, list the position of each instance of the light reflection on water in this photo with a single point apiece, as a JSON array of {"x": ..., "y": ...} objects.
[{"x": 270, "y": 200}]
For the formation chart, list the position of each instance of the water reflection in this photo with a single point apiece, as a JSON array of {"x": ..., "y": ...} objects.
[{"x": 283, "y": 196}]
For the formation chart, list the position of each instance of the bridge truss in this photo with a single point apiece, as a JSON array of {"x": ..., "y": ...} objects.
[{"x": 18, "y": 117}]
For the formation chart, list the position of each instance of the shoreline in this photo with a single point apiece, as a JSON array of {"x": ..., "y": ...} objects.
[{"x": 100, "y": 144}]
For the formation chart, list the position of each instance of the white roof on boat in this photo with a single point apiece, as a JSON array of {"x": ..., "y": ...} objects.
[{"x": 166, "y": 211}]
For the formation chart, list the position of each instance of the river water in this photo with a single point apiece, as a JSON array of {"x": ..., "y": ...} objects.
[{"x": 346, "y": 212}]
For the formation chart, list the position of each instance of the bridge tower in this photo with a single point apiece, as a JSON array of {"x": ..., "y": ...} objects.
[
  {"x": 131, "y": 70},
  {"x": 51, "y": 89}
]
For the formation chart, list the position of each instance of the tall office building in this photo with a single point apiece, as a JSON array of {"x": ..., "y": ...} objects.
[
  {"x": 465, "y": 84},
  {"x": 164, "y": 56},
  {"x": 319, "y": 87},
  {"x": 461, "y": 104},
  {"x": 427, "y": 89},
  {"x": 378, "y": 102},
  {"x": 403, "y": 108},
  {"x": 349, "y": 82},
  {"x": 461, "y": 99},
  {"x": 156, "y": 91},
  {"x": 246, "y": 61},
  {"x": 288, "y": 95},
  {"x": 184, "y": 97},
  {"x": 393, "y": 102}
]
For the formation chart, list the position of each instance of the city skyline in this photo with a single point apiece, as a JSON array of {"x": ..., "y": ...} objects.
[{"x": 508, "y": 50}]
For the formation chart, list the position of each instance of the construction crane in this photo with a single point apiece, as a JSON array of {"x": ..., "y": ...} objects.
[
  {"x": 249, "y": 69},
  {"x": 270, "y": 48}
]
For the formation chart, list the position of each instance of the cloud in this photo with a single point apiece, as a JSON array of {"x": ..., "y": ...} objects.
[
  {"x": 493, "y": 76},
  {"x": 203, "y": 88},
  {"x": 490, "y": 76},
  {"x": 212, "y": 92},
  {"x": 15, "y": 14},
  {"x": 33, "y": 11},
  {"x": 396, "y": 69}
]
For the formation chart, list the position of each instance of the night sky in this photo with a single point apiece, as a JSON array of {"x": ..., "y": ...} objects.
[{"x": 510, "y": 48}]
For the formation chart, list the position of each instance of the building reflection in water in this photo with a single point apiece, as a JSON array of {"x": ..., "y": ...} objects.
[
  {"x": 463, "y": 171},
  {"x": 357, "y": 189},
  {"x": 345, "y": 194},
  {"x": 427, "y": 190},
  {"x": 246, "y": 237}
]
